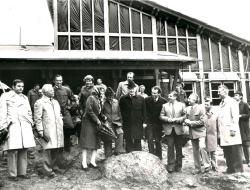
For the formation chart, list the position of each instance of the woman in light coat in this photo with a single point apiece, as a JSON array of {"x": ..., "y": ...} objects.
[{"x": 49, "y": 123}]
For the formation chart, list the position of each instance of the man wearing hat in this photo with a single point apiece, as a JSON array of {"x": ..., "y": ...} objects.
[
  {"x": 133, "y": 111},
  {"x": 112, "y": 111},
  {"x": 244, "y": 125}
]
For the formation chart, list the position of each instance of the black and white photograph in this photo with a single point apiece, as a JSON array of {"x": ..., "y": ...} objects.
[{"x": 124, "y": 94}]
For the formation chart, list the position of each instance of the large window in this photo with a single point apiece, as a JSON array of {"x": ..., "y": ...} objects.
[
  {"x": 131, "y": 29},
  {"x": 176, "y": 39},
  {"x": 80, "y": 25}
]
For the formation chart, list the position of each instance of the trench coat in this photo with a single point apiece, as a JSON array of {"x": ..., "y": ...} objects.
[
  {"x": 228, "y": 119},
  {"x": 133, "y": 111},
  {"x": 167, "y": 113},
  {"x": 16, "y": 109},
  {"x": 47, "y": 118},
  {"x": 196, "y": 114},
  {"x": 244, "y": 121},
  {"x": 211, "y": 125},
  {"x": 88, "y": 137}
]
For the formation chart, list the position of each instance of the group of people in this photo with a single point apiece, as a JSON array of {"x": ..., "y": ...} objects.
[{"x": 57, "y": 114}]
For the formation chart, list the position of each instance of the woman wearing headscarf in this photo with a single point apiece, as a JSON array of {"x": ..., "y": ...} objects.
[{"x": 90, "y": 124}]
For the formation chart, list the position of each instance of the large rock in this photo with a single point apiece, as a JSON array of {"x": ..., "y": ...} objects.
[{"x": 136, "y": 166}]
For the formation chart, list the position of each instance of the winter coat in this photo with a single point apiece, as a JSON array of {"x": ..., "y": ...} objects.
[
  {"x": 64, "y": 96},
  {"x": 15, "y": 112},
  {"x": 88, "y": 137},
  {"x": 211, "y": 125},
  {"x": 196, "y": 114},
  {"x": 47, "y": 116},
  {"x": 133, "y": 111},
  {"x": 244, "y": 121},
  {"x": 228, "y": 119},
  {"x": 167, "y": 114},
  {"x": 83, "y": 96},
  {"x": 153, "y": 109}
]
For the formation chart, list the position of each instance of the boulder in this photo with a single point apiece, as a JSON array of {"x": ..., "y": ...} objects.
[{"x": 138, "y": 166}]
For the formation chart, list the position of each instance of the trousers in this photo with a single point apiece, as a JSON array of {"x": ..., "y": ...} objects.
[
  {"x": 51, "y": 158},
  {"x": 17, "y": 162}
]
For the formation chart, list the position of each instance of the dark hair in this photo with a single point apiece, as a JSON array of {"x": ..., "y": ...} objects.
[
  {"x": 157, "y": 88},
  {"x": 208, "y": 99},
  {"x": 37, "y": 85},
  {"x": 14, "y": 83},
  {"x": 58, "y": 75}
]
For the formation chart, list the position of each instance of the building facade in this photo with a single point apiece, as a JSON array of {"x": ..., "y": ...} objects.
[{"x": 107, "y": 38}]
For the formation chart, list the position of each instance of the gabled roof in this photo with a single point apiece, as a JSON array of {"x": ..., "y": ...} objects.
[{"x": 158, "y": 10}]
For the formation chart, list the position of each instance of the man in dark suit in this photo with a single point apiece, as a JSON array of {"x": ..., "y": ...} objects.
[
  {"x": 133, "y": 113},
  {"x": 244, "y": 125},
  {"x": 154, "y": 125}
]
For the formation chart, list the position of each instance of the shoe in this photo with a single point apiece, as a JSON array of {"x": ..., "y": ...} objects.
[
  {"x": 196, "y": 171},
  {"x": 177, "y": 169},
  {"x": 24, "y": 176},
  {"x": 92, "y": 166},
  {"x": 206, "y": 169},
  {"x": 84, "y": 169},
  {"x": 13, "y": 178},
  {"x": 58, "y": 170},
  {"x": 52, "y": 175}
]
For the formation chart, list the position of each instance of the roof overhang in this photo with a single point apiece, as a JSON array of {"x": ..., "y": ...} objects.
[{"x": 48, "y": 53}]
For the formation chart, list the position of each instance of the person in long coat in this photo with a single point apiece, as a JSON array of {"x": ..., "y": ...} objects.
[
  {"x": 195, "y": 118},
  {"x": 64, "y": 96},
  {"x": 154, "y": 124},
  {"x": 230, "y": 138},
  {"x": 172, "y": 116},
  {"x": 211, "y": 124},
  {"x": 86, "y": 91},
  {"x": 49, "y": 123},
  {"x": 90, "y": 124},
  {"x": 244, "y": 125},
  {"x": 133, "y": 111},
  {"x": 16, "y": 117}
]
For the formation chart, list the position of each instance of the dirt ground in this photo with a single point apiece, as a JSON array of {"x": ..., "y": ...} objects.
[{"x": 74, "y": 178}]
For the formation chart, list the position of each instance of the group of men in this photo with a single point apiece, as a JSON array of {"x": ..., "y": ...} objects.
[{"x": 162, "y": 119}]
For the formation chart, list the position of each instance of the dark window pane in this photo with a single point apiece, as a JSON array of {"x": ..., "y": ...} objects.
[
  {"x": 63, "y": 43},
  {"x": 87, "y": 43},
  {"x": 160, "y": 27},
  {"x": 148, "y": 44},
  {"x": 136, "y": 22},
  {"x": 62, "y": 13},
  {"x": 198, "y": 89},
  {"x": 172, "y": 45},
  {"x": 75, "y": 16},
  {"x": 225, "y": 58},
  {"x": 191, "y": 32},
  {"x": 98, "y": 16},
  {"x": 215, "y": 56},
  {"x": 75, "y": 42},
  {"x": 126, "y": 43},
  {"x": 113, "y": 18},
  {"x": 171, "y": 29},
  {"x": 124, "y": 17},
  {"x": 137, "y": 44},
  {"x": 147, "y": 24},
  {"x": 87, "y": 16},
  {"x": 235, "y": 60},
  {"x": 193, "y": 48},
  {"x": 207, "y": 89},
  {"x": 161, "y": 44},
  {"x": 114, "y": 43},
  {"x": 181, "y": 31},
  {"x": 51, "y": 9},
  {"x": 205, "y": 54},
  {"x": 182, "y": 46},
  {"x": 99, "y": 43}
]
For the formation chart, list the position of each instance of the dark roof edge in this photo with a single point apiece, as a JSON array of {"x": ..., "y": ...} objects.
[{"x": 190, "y": 19}]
